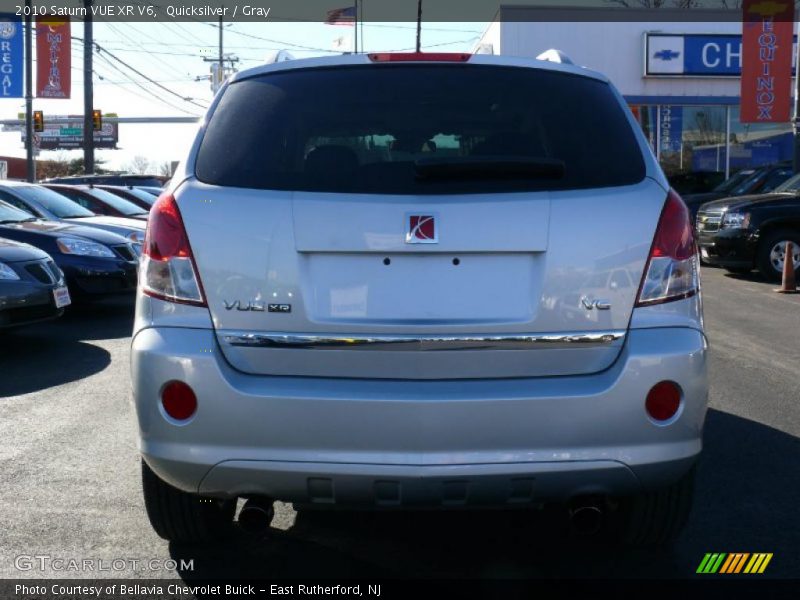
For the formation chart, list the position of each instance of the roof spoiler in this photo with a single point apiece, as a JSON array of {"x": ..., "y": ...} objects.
[{"x": 556, "y": 56}]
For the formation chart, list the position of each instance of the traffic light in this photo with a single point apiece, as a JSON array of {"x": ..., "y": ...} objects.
[
  {"x": 38, "y": 120},
  {"x": 97, "y": 119}
]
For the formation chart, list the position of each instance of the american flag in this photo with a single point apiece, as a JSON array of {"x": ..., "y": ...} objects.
[{"x": 341, "y": 16}]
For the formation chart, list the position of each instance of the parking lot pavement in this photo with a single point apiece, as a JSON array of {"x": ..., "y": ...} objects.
[{"x": 69, "y": 480}]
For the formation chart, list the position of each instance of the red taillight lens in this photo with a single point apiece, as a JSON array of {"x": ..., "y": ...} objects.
[
  {"x": 663, "y": 400},
  {"x": 419, "y": 56},
  {"x": 167, "y": 270},
  {"x": 178, "y": 400},
  {"x": 675, "y": 235},
  {"x": 671, "y": 269}
]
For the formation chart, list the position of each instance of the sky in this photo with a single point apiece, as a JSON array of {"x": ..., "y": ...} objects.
[{"x": 171, "y": 54}]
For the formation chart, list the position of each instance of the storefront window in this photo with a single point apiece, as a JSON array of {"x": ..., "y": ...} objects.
[
  {"x": 756, "y": 144},
  {"x": 692, "y": 139}
]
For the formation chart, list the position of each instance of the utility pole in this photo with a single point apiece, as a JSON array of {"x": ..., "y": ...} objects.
[
  {"x": 419, "y": 25},
  {"x": 88, "y": 92},
  {"x": 29, "y": 145},
  {"x": 355, "y": 27},
  {"x": 221, "y": 54}
]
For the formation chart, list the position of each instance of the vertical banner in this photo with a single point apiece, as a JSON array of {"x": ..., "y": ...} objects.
[
  {"x": 767, "y": 34},
  {"x": 53, "y": 64},
  {"x": 11, "y": 56},
  {"x": 671, "y": 124}
]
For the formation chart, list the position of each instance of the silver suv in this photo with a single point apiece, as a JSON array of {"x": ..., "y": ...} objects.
[{"x": 426, "y": 280}]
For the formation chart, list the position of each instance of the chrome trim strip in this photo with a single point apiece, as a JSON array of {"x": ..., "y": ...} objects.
[{"x": 419, "y": 342}]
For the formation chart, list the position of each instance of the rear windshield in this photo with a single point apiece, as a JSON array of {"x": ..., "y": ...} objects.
[{"x": 368, "y": 130}]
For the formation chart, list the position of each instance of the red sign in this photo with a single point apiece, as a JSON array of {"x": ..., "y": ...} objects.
[
  {"x": 766, "y": 60},
  {"x": 53, "y": 64}
]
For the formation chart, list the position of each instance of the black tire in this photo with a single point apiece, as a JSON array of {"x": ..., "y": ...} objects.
[
  {"x": 657, "y": 517},
  {"x": 763, "y": 255},
  {"x": 178, "y": 516}
]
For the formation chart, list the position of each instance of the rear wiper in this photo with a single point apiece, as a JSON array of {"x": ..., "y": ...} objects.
[{"x": 489, "y": 167}]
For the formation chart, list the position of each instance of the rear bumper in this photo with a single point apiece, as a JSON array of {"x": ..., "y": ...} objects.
[{"x": 350, "y": 442}]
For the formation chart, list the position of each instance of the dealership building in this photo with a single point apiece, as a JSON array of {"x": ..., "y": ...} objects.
[{"x": 680, "y": 79}]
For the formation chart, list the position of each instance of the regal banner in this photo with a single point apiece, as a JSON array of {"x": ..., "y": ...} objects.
[
  {"x": 766, "y": 60},
  {"x": 53, "y": 61}
]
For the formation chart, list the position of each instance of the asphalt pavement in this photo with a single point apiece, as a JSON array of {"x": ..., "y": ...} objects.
[{"x": 69, "y": 472}]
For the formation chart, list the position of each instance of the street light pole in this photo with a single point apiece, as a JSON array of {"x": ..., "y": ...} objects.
[
  {"x": 88, "y": 92},
  {"x": 29, "y": 145}
]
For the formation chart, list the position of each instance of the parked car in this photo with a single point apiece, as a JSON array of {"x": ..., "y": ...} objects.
[
  {"x": 342, "y": 303},
  {"x": 747, "y": 181},
  {"x": 111, "y": 179},
  {"x": 100, "y": 202},
  {"x": 94, "y": 262},
  {"x": 154, "y": 191},
  {"x": 32, "y": 287},
  {"x": 750, "y": 232},
  {"x": 52, "y": 206},
  {"x": 139, "y": 197},
  {"x": 696, "y": 182}
]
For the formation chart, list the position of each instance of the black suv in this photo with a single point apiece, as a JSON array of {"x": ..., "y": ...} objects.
[
  {"x": 749, "y": 232},
  {"x": 747, "y": 181}
]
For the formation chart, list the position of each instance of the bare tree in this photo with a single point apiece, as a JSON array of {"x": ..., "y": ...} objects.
[
  {"x": 139, "y": 165},
  {"x": 165, "y": 169}
]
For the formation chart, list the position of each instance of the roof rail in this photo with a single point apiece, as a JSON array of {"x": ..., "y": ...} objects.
[{"x": 556, "y": 56}]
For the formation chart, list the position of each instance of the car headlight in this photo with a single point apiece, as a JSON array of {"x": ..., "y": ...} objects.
[
  {"x": 7, "y": 273},
  {"x": 83, "y": 248},
  {"x": 736, "y": 220}
]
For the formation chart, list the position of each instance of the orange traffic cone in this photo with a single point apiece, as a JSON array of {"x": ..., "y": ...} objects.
[{"x": 788, "y": 285}]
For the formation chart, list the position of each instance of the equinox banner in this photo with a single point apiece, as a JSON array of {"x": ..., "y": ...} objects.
[
  {"x": 53, "y": 49},
  {"x": 766, "y": 60}
]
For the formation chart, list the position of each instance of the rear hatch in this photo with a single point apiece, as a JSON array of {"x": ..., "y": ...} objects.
[{"x": 426, "y": 221}]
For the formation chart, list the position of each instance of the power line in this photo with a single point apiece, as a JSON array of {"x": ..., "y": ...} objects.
[{"x": 190, "y": 100}]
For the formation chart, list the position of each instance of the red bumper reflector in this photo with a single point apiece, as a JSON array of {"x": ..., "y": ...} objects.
[
  {"x": 663, "y": 400},
  {"x": 178, "y": 400}
]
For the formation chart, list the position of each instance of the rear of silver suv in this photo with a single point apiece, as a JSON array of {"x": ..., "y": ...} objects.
[{"x": 399, "y": 281}]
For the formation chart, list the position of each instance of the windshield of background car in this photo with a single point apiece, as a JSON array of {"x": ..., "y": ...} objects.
[
  {"x": 126, "y": 207},
  {"x": 361, "y": 129},
  {"x": 59, "y": 205},
  {"x": 733, "y": 181},
  {"x": 790, "y": 185},
  {"x": 776, "y": 178},
  {"x": 9, "y": 213}
]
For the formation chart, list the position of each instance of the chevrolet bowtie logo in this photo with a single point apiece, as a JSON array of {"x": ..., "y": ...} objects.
[
  {"x": 769, "y": 8},
  {"x": 666, "y": 54}
]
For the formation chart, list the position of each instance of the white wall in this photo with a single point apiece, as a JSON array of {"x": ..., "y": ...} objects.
[{"x": 617, "y": 50}]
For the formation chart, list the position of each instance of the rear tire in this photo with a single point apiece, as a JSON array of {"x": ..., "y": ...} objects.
[
  {"x": 657, "y": 517},
  {"x": 178, "y": 516},
  {"x": 768, "y": 259}
]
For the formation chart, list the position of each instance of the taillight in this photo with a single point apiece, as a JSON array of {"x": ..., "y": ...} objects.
[
  {"x": 167, "y": 270},
  {"x": 419, "y": 56},
  {"x": 671, "y": 269}
]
